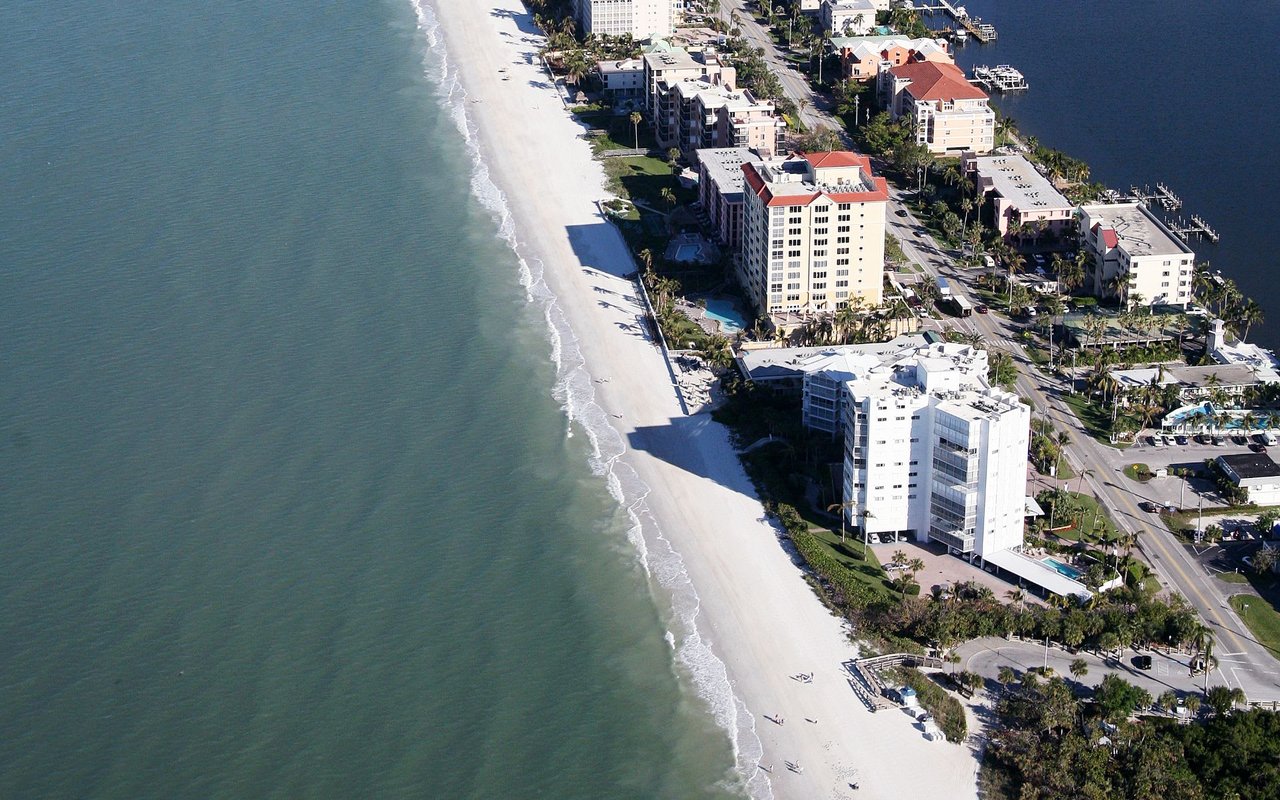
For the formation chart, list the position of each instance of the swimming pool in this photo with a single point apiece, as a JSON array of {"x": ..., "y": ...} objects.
[
  {"x": 688, "y": 252},
  {"x": 1065, "y": 570},
  {"x": 726, "y": 313}
]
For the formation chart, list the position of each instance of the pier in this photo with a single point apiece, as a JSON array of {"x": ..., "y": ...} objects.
[
  {"x": 982, "y": 31},
  {"x": 1000, "y": 78},
  {"x": 1196, "y": 227},
  {"x": 1162, "y": 195}
]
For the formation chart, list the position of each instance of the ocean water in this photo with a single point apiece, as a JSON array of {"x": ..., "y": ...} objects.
[
  {"x": 289, "y": 502},
  {"x": 1147, "y": 91}
]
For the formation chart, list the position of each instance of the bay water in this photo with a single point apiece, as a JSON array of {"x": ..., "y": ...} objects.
[
  {"x": 288, "y": 505},
  {"x": 1146, "y": 91}
]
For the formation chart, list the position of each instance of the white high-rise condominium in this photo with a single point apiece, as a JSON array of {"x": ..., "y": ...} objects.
[
  {"x": 932, "y": 452},
  {"x": 812, "y": 233},
  {"x": 643, "y": 19}
]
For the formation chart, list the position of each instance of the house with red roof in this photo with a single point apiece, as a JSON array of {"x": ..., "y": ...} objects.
[
  {"x": 949, "y": 114},
  {"x": 813, "y": 229}
]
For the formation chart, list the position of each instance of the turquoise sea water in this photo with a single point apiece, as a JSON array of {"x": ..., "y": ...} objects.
[{"x": 287, "y": 508}]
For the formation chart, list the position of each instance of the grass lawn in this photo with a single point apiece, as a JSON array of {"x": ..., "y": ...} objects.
[
  {"x": 1262, "y": 618},
  {"x": 1138, "y": 472},
  {"x": 1087, "y": 530},
  {"x": 861, "y": 564},
  {"x": 644, "y": 178},
  {"x": 1095, "y": 420},
  {"x": 1232, "y": 577}
]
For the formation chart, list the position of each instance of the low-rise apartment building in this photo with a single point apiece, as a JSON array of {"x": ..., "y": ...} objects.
[
  {"x": 812, "y": 233},
  {"x": 720, "y": 183},
  {"x": 622, "y": 80},
  {"x": 949, "y": 115},
  {"x": 1135, "y": 256},
  {"x": 932, "y": 452},
  {"x": 1020, "y": 194},
  {"x": 863, "y": 57},
  {"x": 847, "y": 17},
  {"x": 1256, "y": 473}
]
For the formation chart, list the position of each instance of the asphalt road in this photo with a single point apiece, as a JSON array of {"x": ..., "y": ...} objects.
[{"x": 1243, "y": 661}]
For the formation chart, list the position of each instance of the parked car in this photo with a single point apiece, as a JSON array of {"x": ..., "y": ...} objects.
[
  {"x": 1217, "y": 441},
  {"x": 1031, "y": 311},
  {"x": 1258, "y": 448},
  {"x": 1181, "y": 440},
  {"x": 1142, "y": 662},
  {"x": 1166, "y": 439},
  {"x": 1202, "y": 439},
  {"x": 1153, "y": 441}
]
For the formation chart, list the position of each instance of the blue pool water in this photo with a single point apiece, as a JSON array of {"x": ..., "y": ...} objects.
[
  {"x": 726, "y": 313},
  {"x": 1066, "y": 570},
  {"x": 688, "y": 252}
]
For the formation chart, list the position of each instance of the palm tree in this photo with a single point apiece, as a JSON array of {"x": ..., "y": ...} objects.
[
  {"x": 865, "y": 514},
  {"x": 636, "y": 117},
  {"x": 668, "y": 196},
  {"x": 1084, "y": 473},
  {"x": 1016, "y": 596},
  {"x": 840, "y": 508},
  {"x": 1079, "y": 668}
]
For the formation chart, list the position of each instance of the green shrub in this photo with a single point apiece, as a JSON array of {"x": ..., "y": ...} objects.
[{"x": 946, "y": 710}]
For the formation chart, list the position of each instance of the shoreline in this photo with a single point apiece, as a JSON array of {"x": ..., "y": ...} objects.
[{"x": 743, "y": 619}]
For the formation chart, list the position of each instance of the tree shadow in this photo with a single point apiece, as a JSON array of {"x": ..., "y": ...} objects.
[{"x": 523, "y": 21}]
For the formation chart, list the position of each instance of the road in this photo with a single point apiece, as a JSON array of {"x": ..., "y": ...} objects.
[
  {"x": 1243, "y": 662},
  {"x": 815, "y": 109}
]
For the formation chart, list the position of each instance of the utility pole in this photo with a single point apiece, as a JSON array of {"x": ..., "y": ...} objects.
[{"x": 856, "y": 99}]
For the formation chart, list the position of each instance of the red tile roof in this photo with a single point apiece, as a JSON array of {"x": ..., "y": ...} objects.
[
  {"x": 760, "y": 189},
  {"x": 1109, "y": 237},
  {"x": 837, "y": 158},
  {"x": 931, "y": 80}
]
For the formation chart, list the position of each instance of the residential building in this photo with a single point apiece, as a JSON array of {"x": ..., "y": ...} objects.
[
  {"x": 812, "y": 233},
  {"x": 783, "y": 369},
  {"x": 642, "y": 19},
  {"x": 949, "y": 115},
  {"x": 1259, "y": 360},
  {"x": 623, "y": 81},
  {"x": 1194, "y": 383},
  {"x": 1135, "y": 255},
  {"x": 847, "y": 17},
  {"x": 708, "y": 114},
  {"x": 664, "y": 68},
  {"x": 935, "y": 453},
  {"x": 1256, "y": 473},
  {"x": 1020, "y": 194},
  {"x": 862, "y": 57},
  {"x": 720, "y": 184}
]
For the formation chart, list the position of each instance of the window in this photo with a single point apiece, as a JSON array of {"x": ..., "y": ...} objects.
[
  {"x": 841, "y": 284},
  {"x": 819, "y": 231}
]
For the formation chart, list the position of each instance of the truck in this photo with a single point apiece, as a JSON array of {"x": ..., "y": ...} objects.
[
  {"x": 944, "y": 288},
  {"x": 962, "y": 305}
]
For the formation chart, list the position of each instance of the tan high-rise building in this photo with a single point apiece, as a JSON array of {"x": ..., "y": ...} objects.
[{"x": 812, "y": 233}]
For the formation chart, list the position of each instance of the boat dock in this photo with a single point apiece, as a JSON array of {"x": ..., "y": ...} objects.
[
  {"x": 982, "y": 31},
  {"x": 1162, "y": 195},
  {"x": 1196, "y": 227},
  {"x": 1000, "y": 78}
]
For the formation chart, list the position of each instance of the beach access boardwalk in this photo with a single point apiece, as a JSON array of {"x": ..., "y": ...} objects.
[{"x": 869, "y": 686}]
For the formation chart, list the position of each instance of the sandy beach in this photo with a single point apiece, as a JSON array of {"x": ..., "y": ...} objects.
[{"x": 750, "y": 621}]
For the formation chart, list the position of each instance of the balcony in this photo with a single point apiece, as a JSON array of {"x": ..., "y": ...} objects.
[{"x": 956, "y": 540}]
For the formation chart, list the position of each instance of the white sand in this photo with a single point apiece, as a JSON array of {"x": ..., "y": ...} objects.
[{"x": 762, "y": 622}]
